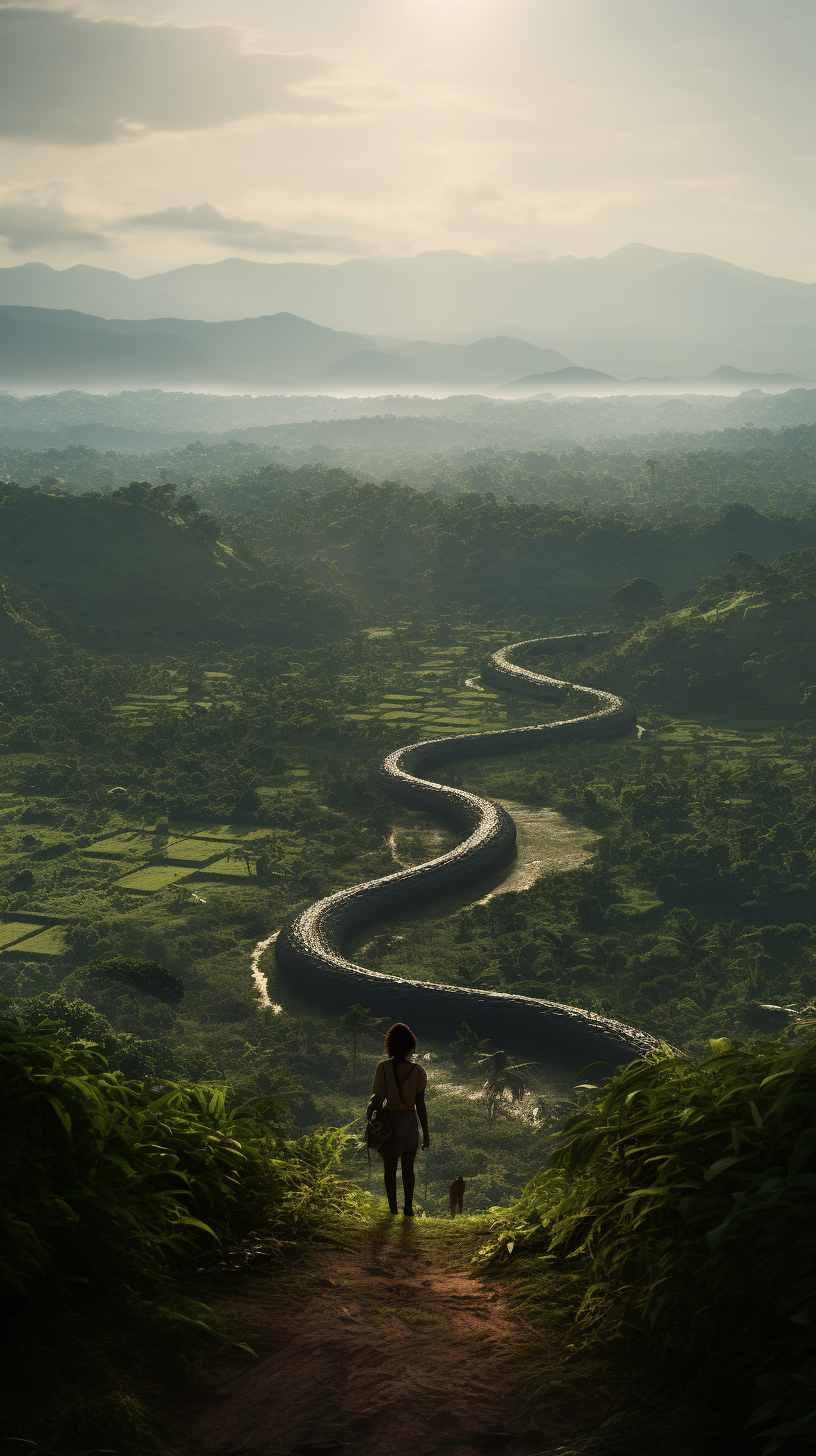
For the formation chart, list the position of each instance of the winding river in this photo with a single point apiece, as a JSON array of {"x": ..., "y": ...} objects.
[{"x": 310, "y": 948}]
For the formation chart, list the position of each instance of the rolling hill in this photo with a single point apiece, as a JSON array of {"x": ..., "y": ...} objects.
[
  {"x": 50, "y": 348},
  {"x": 58, "y": 347}
]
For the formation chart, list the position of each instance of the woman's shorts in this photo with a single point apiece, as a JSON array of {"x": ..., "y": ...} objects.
[{"x": 405, "y": 1129}]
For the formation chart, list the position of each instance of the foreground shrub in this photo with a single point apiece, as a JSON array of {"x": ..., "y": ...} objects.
[
  {"x": 692, "y": 1189},
  {"x": 107, "y": 1182}
]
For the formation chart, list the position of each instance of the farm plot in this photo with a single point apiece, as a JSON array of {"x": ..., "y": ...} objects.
[
  {"x": 121, "y": 846},
  {"x": 233, "y": 869},
  {"x": 227, "y": 834},
  {"x": 14, "y": 930},
  {"x": 153, "y": 877},
  {"x": 191, "y": 851},
  {"x": 49, "y": 942}
]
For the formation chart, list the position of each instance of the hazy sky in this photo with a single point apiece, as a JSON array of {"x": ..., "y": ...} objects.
[{"x": 141, "y": 135}]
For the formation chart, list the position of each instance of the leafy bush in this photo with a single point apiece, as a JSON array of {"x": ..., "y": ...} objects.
[
  {"x": 108, "y": 1182},
  {"x": 78, "y": 1021},
  {"x": 691, "y": 1188},
  {"x": 146, "y": 976}
]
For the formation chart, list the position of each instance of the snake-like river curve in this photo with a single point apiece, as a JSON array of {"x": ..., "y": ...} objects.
[{"x": 310, "y": 947}]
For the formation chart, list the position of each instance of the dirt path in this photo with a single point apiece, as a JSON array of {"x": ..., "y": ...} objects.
[{"x": 376, "y": 1346}]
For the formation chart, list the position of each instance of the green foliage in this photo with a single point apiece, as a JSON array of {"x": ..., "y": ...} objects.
[
  {"x": 109, "y": 1182},
  {"x": 466, "y": 1048},
  {"x": 357, "y": 1019},
  {"x": 77, "y": 1020},
  {"x": 148, "y": 977},
  {"x": 637, "y": 598},
  {"x": 499, "y": 556},
  {"x": 504, "y": 1079},
  {"x": 744, "y": 641},
  {"x": 690, "y": 1187},
  {"x": 204, "y": 583}
]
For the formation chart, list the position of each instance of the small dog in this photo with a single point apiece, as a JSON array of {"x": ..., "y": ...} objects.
[{"x": 457, "y": 1195}]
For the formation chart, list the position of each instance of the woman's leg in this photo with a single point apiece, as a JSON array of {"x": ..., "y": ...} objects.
[
  {"x": 390, "y": 1159},
  {"x": 408, "y": 1179}
]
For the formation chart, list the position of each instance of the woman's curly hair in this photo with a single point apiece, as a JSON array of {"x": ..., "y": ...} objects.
[{"x": 399, "y": 1040}]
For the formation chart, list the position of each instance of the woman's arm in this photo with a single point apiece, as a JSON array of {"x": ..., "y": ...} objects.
[
  {"x": 422, "y": 1114},
  {"x": 378, "y": 1091}
]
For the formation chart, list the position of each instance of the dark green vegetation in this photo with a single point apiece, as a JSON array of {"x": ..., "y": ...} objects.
[
  {"x": 108, "y": 1187},
  {"x": 194, "y": 705},
  {"x": 142, "y": 568},
  {"x": 689, "y": 1187},
  {"x": 661, "y": 473},
  {"x": 497, "y": 558}
]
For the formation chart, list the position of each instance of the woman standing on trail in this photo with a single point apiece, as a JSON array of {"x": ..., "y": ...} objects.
[{"x": 398, "y": 1098}]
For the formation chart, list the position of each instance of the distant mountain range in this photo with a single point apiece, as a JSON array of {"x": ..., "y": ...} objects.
[
  {"x": 576, "y": 380},
  {"x": 51, "y": 349},
  {"x": 640, "y": 310}
]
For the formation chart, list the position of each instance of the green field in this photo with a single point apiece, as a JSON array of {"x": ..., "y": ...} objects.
[
  {"x": 50, "y": 942},
  {"x": 15, "y": 930},
  {"x": 153, "y": 877},
  {"x": 121, "y": 846},
  {"x": 234, "y": 869},
  {"x": 191, "y": 851}
]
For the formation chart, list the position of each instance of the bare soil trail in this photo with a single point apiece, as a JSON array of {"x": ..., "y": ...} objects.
[{"x": 379, "y": 1345}]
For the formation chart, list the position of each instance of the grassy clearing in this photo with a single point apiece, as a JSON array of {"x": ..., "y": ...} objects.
[
  {"x": 14, "y": 930},
  {"x": 232, "y": 869},
  {"x": 191, "y": 851},
  {"x": 50, "y": 942},
  {"x": 133, "y": 845},
  {"x": 153, "y": 877}
]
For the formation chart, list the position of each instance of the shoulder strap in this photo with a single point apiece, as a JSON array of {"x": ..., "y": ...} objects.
[{"x": 400, "y": 1084}]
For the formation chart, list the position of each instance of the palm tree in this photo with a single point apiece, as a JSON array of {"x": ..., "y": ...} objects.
[
  {"x": 468, "y": 1047},
  {"x": 702, "y": 999},
  {"x": 567, "y": 949},
  {"x": 694, "y": 943},
  {"x": 240, "y": 852},
  {"x": 355, "y": 1019},
  {"x": 733, "y": 938},
  {"x": 503, "y": 1079}
]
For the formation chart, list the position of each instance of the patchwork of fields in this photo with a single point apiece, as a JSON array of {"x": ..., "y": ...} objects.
[
  {"x": 127, "y": 860},
  {"x": 77, "y": 874}
]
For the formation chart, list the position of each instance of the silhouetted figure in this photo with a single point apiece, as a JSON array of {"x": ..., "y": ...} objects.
[
  {"x": 398, "y": 1099},
  {"x": 457, "y": 1195}
]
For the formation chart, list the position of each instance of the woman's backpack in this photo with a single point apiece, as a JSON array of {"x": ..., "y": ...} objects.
[{"x": 378, "y": 1130}]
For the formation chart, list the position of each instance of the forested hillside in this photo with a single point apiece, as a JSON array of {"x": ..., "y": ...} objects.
[
  {"x": 143, "y": 567},
  {"x": 498, "y": 556}
]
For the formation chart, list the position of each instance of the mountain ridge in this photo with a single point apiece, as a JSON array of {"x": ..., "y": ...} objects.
[
  {"x": 44, "y": 348},
  {"x": 685, "y": 312}
]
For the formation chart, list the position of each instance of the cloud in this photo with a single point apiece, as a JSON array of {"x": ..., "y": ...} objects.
[
  {"x": 82, "y": 82},
  {"x": 241, "y": 233},
  {"x": 28, "y": 222}
]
